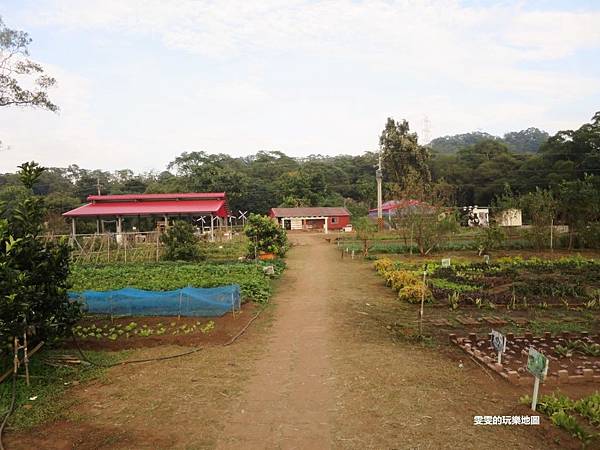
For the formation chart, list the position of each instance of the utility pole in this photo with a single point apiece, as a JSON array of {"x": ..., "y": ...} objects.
[
  {"x": 426, "y": 131},
  {"x": 379, "y": 177}
]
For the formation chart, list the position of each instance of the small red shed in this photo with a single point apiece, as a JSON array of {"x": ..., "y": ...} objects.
[{"x": 316, "y": 218}]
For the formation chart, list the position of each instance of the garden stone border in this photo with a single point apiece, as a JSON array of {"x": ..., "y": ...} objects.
[{"x": 471, "y": 345}]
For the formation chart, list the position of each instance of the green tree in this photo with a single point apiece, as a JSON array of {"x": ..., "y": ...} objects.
[
  {"x": 365, "y": 229},
  {"x": 540, "y": 207},
  {"x": 33, "y": 272},
  {"x": 454, "y": 143},
  {"x": 525, "y": 141},
  {"x": 479, "y": 172},
  {"x": 570, "y": 154},
  {"x": 579, "y": 204},
  {"x": 403, "y": 157}
]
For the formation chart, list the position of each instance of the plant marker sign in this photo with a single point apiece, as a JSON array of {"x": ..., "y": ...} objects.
[
  {"x": 445, "y": 262},
  {"x": 537, "y": 365},
  {"x": 498, "y": 341}
]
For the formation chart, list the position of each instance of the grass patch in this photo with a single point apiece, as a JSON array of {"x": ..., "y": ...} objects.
[{"x": 48, "y": 386}]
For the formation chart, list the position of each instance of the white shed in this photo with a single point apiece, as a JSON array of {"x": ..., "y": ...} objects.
[{"x": 510, "y": 218}]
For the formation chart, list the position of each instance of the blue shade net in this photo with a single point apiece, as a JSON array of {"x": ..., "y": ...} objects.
[{"x": 195, "y": 302}]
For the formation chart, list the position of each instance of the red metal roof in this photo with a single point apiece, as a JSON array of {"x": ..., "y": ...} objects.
[
  {"x": 392, "y": 205},
  {"x": 142, "y": 197},
  {"x": 148, "y": 208},
  {"x": 325, "y": 211}
]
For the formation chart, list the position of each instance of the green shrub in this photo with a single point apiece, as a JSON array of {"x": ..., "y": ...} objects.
[
  {"x": 383, "y": 265},
  {"x": 491, "y": 238},
  {"x": 181, "y": 244},
  {"x": 265, "y": 235},
  {"x": 414, "y": 292},
  {"x": 33, "y": 272},
  {"x": 401, "y": 278}
]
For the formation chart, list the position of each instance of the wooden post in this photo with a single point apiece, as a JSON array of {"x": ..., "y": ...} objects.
[
  {"x": 73, "y": 228},
  {"x": 119, "y": 231},
  {"x": 180, "y": 300},
  {"x": 551, "y": 234},
  {"x": 157, "y": 243},
  {"x": 97, "y": 225},
  {"x": 536, "y": 387},
  {"x": 16, "y": 361},
  {"x": 26, "y": 358},
  {"x": 422, "y": 305},
  {"x": 108, "y": 246},
  {"x": 212, "y": 229}
]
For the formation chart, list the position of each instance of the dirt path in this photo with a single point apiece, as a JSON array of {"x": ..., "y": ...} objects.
[
  {"x": 332, "y": 375},
  {"x": 321, "y": 369},
  {"x": 289, "y": 401}
]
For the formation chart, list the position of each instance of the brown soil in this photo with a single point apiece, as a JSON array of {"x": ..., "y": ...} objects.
[
  {"x": 225, "y": 327},
  {"x": 323, "y": 369}
]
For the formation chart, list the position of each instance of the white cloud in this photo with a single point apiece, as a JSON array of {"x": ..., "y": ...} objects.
[
  {"x": 72, "y": 136},
  {"x": 314, "y": 76},
  {"x": 440, "y": 35}
]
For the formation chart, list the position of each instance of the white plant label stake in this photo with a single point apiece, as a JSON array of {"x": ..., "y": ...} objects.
[
  {"x": 499, "y": 343},
  {"x": 537, "y": 365}
]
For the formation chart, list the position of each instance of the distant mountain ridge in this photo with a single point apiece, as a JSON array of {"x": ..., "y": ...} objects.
[{"x": 524, "y": 141}]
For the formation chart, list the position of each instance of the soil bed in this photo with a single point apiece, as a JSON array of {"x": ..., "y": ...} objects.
[
  {"x": 221, "y": 331},
  {"x": 575, "y": 368}
]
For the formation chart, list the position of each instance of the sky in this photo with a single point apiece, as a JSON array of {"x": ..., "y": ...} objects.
[{"x": 141, "y": 81}]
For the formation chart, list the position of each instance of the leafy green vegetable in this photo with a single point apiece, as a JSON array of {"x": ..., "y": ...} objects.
[{"x": 166, "y": 276}]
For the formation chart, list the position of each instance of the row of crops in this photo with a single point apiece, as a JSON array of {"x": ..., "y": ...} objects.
[
  {"x": 254, "y": 283},
  {"x": 515, "y": 282}
]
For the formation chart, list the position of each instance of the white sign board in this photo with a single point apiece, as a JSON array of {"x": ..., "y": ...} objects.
[
  {"x": 446, "y": 262},
  {"x": 537, "y": 365},
  {"x": 498, "y": 341}
]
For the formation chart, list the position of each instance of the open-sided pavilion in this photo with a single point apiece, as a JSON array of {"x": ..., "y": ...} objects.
[{"x": 212, "y": 205}]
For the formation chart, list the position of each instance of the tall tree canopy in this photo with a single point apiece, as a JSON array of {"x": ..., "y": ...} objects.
[
  {"x": 524, "y": 141},
  {"x": 403, "y": 157}
]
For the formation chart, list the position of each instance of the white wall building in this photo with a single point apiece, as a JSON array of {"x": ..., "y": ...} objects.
[{"x": 510, "y": 218}]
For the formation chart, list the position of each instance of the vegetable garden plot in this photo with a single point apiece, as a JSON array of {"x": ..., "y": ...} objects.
[
  {"x": 573, "y": 358},
  {"x": 514, "y": 282},
  {"x": 255, "y": 285}
]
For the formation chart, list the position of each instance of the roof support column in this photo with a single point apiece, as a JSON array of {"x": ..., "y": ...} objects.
[
  {"x": 325, "y": 226},
  {"x": 97, "y": 225},
  {"x": 73, "y": 227},
  {"x": 119, "y": 230},
  {"x": 212, "y": 229}
]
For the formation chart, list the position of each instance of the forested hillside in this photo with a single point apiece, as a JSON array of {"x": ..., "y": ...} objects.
[
  {"x": 476, "y": 174},
  {"x": 524, "y": 141}
]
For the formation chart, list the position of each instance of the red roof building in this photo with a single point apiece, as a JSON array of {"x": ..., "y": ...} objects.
[
  {"x": 318, "y": 218},
  {"x": 164, "y": 206},
  {"x": 398, "y": 207}
]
